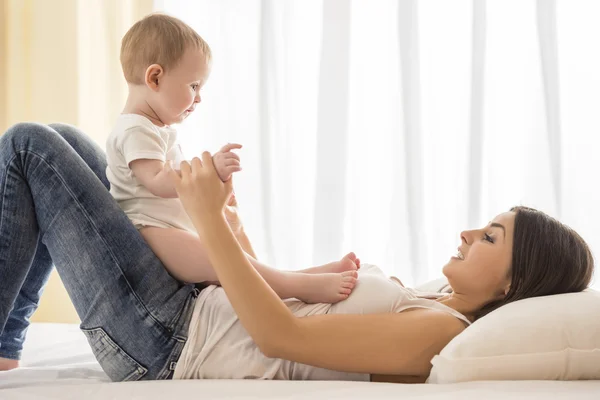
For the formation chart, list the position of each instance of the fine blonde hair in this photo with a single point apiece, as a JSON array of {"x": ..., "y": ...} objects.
[{"x": 157, "y": 39}]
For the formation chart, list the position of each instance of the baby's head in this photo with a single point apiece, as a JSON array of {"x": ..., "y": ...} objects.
[{"x": 166, "y": 63}]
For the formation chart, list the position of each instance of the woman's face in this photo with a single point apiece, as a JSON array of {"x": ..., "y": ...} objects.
[{"x": 481, "y": 269}]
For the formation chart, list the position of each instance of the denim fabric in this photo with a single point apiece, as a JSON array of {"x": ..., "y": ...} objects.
[{"x": 55, "y": 209}]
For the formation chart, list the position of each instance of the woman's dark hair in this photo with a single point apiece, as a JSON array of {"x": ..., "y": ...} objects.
[{"x": 548, "y": 258}]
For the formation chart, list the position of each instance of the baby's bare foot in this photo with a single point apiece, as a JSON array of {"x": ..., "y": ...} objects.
[
  {"x": 327, "y": 287},
  {"x": 348, "y": 263},
  {"x": 8, "y": 364}
]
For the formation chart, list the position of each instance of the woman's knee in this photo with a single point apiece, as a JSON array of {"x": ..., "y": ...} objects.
[
  {"x": 25, "y": 135},
  {"x": 32, "y": 135},
  {"x": 69, "y": 132},
  {"x": 24, "y": 128},
  {"x": 34, "y": 129},
  {"x": 88, "y": 150}
]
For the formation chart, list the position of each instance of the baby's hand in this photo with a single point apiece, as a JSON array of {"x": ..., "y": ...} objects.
[{"x": 226, "y": 161}]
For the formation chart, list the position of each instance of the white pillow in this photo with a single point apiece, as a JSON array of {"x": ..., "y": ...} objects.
[{"x": 542, "y": 338}]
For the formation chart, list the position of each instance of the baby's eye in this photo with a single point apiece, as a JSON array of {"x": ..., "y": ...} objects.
[{"x": 194, "y": 86}]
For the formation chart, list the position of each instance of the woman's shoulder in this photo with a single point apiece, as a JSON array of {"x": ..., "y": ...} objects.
[{"x": 440, "y": 318}]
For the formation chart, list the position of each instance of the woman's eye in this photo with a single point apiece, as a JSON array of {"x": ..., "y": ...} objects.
[{"x": 488, "y": 238}]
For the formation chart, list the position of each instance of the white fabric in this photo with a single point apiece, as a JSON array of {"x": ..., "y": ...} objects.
[
  {"x": 134, "y": 137},
  {"x": 543, "y": 338},
  {"x": 219, "y": 347},
  {"x": 58, "y": 364},
  {"x": 57, "y": 354},
  {"x": 307, "y": 390},
  {"x": 390, "y": 126},
  {"x": 310, "y": 390}
]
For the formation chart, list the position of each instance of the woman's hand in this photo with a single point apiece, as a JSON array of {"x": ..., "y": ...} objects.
[
  {"x": 232, "y": 215},
  {"x": 235, "y": 224},
  {"x": 200, "y": 189}
]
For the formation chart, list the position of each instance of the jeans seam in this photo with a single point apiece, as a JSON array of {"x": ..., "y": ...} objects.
[
  {"x": 86, "y": 215},
  {"x": 4, "y": 191}
]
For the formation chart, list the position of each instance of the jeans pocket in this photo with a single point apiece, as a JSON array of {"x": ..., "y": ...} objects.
[{"x": 116, "y": 363}]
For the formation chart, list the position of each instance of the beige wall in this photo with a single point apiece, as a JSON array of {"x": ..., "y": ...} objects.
[
  {"x": 59, "y": 62},
  {"x": 41, "y": 64},
  {"x": 55, "y": 305}
]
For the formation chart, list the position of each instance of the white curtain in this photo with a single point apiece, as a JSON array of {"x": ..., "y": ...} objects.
[{"x": 386, "y": 127}]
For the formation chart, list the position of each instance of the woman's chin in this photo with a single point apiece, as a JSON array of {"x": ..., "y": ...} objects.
[
  {"x": 445, "y": 270},
  {"x": 449, "y": 267}
]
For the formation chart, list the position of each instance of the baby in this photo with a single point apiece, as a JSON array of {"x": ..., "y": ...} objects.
[{"x": 166, "y": 63}]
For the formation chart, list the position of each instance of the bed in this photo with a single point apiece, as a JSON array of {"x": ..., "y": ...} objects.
[{"x": 58, "y": 364}]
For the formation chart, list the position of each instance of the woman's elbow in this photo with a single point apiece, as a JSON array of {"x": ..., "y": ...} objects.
[
  {"x": 278, "y": 343},
  {"x": 272, "y": 345},
  {"x": 268, "y": 350}
]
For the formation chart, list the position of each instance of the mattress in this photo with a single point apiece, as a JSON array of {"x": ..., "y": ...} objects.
[{"x": 58, "y": 364}]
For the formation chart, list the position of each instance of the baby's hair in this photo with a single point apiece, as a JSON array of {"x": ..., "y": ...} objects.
[{"x": 157, "y": 39}]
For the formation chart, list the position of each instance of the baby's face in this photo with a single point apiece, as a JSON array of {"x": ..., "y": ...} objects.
[{"x": 179, "y": 92}]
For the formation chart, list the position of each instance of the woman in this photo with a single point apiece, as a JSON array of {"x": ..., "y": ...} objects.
[{"x": 55, "y": 208}]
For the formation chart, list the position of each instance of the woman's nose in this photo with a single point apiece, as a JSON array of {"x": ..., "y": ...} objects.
[{"x": 466, "y": 237}]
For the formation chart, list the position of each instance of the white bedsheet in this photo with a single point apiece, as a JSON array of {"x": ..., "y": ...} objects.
[
  {"x": 310, "y": 390},
  {"x": 58, "y": 364},
  {"x": 56, "y": 354}
]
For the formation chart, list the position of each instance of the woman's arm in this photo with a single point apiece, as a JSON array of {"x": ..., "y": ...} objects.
[
  {"x": 394, "y": 344},
  {"x": 233, "y": 219},
  {"x": 244, "y": 242},
  {"x": 382, "y": 344}
]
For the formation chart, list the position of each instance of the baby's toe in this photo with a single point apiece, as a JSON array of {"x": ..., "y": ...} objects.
[
  {"x": 345, "y": 291},
  {"x": 348, "y": 284},
  {"x": 350, "y": 274}
]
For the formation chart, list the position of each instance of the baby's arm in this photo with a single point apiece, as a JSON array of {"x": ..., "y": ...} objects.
[
  {"x": 152, "y": 173},
  {"x": 144, "y": 151},
  {"x": 154, "y": 177}
]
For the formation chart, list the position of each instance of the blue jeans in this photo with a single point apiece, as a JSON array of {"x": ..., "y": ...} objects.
[{"x": 55, "y": 209}]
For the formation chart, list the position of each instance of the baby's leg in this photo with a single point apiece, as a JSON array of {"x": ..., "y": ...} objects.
[
  {"x": 333, "y": 284},
  {"x": 186, "y": 259},
  {"x": 181, "y": 253}
]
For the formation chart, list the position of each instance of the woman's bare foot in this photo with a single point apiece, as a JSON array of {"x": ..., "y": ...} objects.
[
  {"x": 8, "y": 364},
  {"x": 328, "y": 283}
]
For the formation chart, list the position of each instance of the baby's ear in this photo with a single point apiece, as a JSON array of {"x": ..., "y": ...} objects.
[{"x": 154, "y": 75}]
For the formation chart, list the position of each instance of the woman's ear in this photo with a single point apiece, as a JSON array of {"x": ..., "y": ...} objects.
[
  {"x": 507, "y": 289},
  {"x": 153, "y": 77}
]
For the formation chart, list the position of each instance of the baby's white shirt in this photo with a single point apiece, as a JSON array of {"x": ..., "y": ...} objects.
[{"x": 134, "y": 137}]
